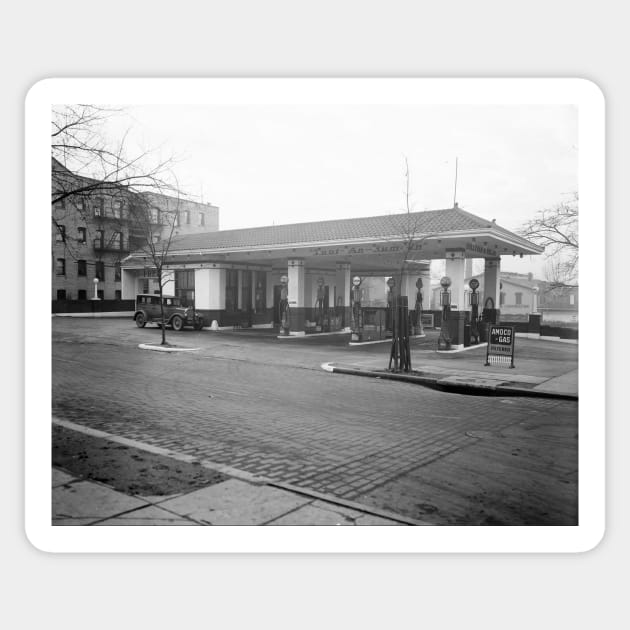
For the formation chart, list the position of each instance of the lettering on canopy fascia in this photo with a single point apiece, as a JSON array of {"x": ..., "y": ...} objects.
[
  {"x": 480, "y": 249},
  {"x": 371, "y": 249}
]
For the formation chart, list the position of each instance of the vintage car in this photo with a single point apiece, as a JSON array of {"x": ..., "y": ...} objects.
[{"x": 175, "y": 314}]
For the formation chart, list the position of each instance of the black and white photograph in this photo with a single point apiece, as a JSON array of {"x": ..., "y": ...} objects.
[{"x": 349, "y": 311}]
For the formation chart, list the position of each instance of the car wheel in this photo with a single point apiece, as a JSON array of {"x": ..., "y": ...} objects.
[
  {"x": 199, "y": 324},
  {"x": 177, "y": 322},
  {"x": 141, "y": 322}
]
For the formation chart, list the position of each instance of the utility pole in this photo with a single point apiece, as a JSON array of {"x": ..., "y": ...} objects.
[{"x": 455, "y": 191}]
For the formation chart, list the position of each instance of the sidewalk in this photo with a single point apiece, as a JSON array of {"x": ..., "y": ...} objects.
[
  {"x": 543, "y": 368},
  {"x": 232, "y": 502}
]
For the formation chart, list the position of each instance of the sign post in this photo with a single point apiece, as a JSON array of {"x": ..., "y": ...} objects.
[{"x": 500, "y": 350}]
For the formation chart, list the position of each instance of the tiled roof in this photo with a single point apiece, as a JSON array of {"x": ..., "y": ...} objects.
[{"x": 416, "y": 223}]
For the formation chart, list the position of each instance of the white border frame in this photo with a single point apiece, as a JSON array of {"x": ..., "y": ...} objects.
[{"x": 591, "y": 107}]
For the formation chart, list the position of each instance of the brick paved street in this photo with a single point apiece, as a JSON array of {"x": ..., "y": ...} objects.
[{"x": 265, "y": 406}]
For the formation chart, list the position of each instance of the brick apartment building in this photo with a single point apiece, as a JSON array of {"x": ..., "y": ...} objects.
[{"x": 92, "y": 232}]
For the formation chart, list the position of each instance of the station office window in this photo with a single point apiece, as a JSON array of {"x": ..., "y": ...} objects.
[
  {"x": 81, "y": 268},
  {"x": 82, "y": 234},
  {"x": 60, "y": 268}
]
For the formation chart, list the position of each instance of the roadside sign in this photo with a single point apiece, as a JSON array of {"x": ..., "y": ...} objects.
[{"x": 500, "y": 349}]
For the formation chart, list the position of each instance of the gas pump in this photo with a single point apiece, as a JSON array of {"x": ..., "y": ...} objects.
[
  {"x": 319, "y": 305},
  {"x": 474, "y": 303},
  {"x": 418, "y": 328},
  {"x": 357, "y": 316},
  {"x": 389, "y": 323},
  {"x": 444, "y": 340},
  {"x": 284, "y": 305}
]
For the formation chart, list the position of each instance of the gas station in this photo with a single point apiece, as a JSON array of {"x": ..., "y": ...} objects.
[{"x": 334, "y": 276}]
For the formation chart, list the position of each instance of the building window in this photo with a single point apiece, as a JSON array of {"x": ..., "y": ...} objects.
[
  {"x": 118, "y": 294},
  {"x": 82, "y": 234},
  {"x": 202, "y": 219},
  {"x": 117, "y": 207},
  {"x": 61, "y": 294},
  {"x": 99, "y": 240},
  {"x": 501, "y": 298},
  {"x": 80, "y": 204},
  {"x": 187, "y": 217},
  {"x": 231, "y": 290},
  {"x": 117, "y": 272},
  {"x": 145, "y": 285},
  {"x": 60, "y": 268},
  {"x": 155, "y": 215},
  {"x": 98, "y": 207},
  {"x": 100, "y": 294},
  {"x": 81, "y": 268},
  {"x": 100, "y": 270},
  {"x": 572, "y": 299},
  {"x": 177, "y": 219},
  {"x": 519, "y": 298},
  {"x": 60, "y": 237},
  {"x": 117, "y": 240},
  {"x": 82, "y": 294}
]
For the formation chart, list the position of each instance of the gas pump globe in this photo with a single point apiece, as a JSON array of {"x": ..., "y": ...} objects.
[
  {"x": 95, "y": 281},
  {"x": 474, "y": 303},
  {"x": 284, "y": 305},
  {"x": 444, "y": 341}
]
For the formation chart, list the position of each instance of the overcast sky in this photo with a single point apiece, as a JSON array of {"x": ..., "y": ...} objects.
[{"x": 285, "y": 164}]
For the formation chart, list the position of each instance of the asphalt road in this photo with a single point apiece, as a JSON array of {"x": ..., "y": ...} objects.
[{"x": 264, "y": 405}]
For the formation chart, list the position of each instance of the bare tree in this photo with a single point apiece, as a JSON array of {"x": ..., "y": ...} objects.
[
  {"x": 151, "y": 230},
  {"x": 87, "y": 168},
  {"x": 556, "y": 229},
  {"x": 412, "y": 240}
]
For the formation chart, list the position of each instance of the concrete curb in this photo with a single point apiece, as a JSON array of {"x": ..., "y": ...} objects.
[
  {"x": 463, "y": 388},
  {"x": 353, "y": 505},
  {"x": 146, "y": 346}
]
